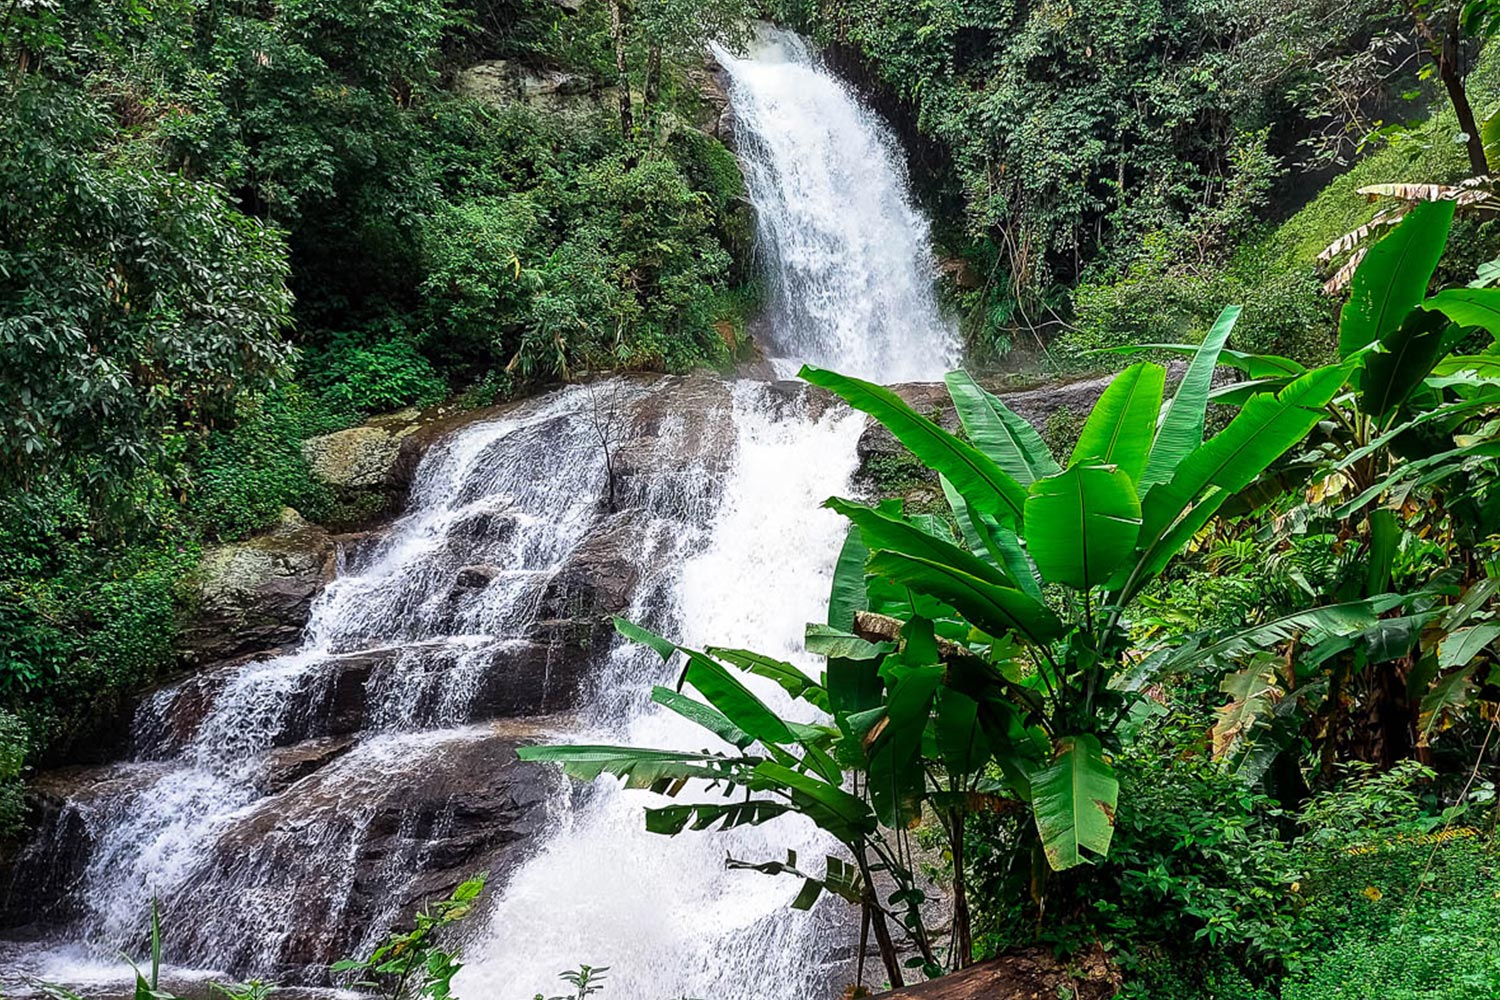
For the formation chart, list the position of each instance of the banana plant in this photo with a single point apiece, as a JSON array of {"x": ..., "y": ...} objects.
[{"x": 1034, "y": 589}]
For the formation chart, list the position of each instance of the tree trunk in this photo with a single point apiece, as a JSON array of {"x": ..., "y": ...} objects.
[
  {"x": 963, "y": 939},
  {"x": 876, "y": 915},
  {"x": 622, "y": 69},
  {"x": 652, "y": 95},
  {"x": 1445, "y": 52}
]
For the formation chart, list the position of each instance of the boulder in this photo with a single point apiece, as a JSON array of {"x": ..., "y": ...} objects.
[
  {"x": 254, "y": 596},
  {"x": 504, "y": 81},
  {"x": 409, "y": 816},
  {"x": 362, "y": 456}
]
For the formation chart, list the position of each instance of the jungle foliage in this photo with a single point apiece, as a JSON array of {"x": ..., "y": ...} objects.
[{"x": 1020, "y": 680}]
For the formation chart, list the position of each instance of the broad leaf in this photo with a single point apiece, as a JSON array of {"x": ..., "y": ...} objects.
[
  {"x": 961, "y": 740},
  {"x": 1469, "y": 307},
  {"x": 706, "y": 716},
  {"x": 986, "y": 486},
  {"x": 1000, "y": 432},
  {"x": 1446, "y": 697},
  {"x": 735, "y": 701},
  {"x": 1181, "y": 428},
  {"x": 884, "y": 532},
  {"x": 1462, "y": 645},
  {"x": 639, "y": 768},
  {"x": 1122, "y": 425},
  {"x": 1074, "y": 800},
  {"x": 993, "y": 543},
  {"x": 671, "y": 820},
  {"x": 997, "y": 610},
  {"x": 1082, "y": 524},
  {"x": 792, "y": 680},
  {"x": 847, "y": 594},
  {"x": 829, "y": 806},
  {"x": 1227, "y": 463},
  {"x": 1392, "y": 279},
  {"x": 1406, "y": 357}
]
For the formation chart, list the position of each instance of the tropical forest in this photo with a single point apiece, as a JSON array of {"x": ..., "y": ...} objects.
[{"x": 749, "y": 499}]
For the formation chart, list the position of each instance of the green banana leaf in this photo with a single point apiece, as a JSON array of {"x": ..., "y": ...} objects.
[
  {"x": 1392, "y": 279},
  {"x": 987, "y": 487},
  {"x": 995, "y": 609},
  {"x": 1181, "y": 426},
  {"x": 1122, "y": 425},
  {"x": 1073, "y": 800},
  {"x": 1082, "y": 524},
  {"x": 1469, "y": 307},
  {"x": 1000, "y": 432}
]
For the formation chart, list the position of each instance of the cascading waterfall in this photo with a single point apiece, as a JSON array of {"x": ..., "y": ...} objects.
[
  {"x": 845, "y": 250},
  {"x": 664, "y": 915},
  {"x": 424, "y": 632}
]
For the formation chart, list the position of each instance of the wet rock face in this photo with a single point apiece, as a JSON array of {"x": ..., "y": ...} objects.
[
  {"x": 255, "y": 596},
  {"x": 503, "y": 81}
]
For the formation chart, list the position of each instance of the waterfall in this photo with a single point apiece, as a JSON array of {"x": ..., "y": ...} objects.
[
  {"x": 287, "y": 811},
  {"x": 845, "y": 250}
]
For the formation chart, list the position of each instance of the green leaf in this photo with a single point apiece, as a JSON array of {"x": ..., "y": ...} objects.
[
  {"x": 1181, "y": 425},
  {"x": 993, "y": 543},
  {"x": 896, "y": 775},
  {"x": 824, "y": 641},
  {"x": 1253, "y": 692},
  {"x": 962, "y": 743},
  {"x": 1462, "y": 645},
  {"x": 645, "y": 637},
  {"x": 1074, "y": 800},
  {"x": 1122, "y": 425},
  {"x": 1469, "y": 307},
  {"x": 792, "y": 680},
  {"x": 1257, "y": 366},
  {"x": 673, "y": 819},
  {"x": 1405, "y": 358},
  {"x": 1482, "y": 365},
  {"x": 844, "y": 815},
  {"x": 706, "y": 716},
  {"x": 640, "y": 768},
  {"x": 1448, "y": 695},
  {"x": 884, "y": 532},
  {"x": 1392, "y": 279},
  {"x": 846, "y": 597},
  {"x": 1258, "y": 435},
  {"x": 736, "y": 701},
  {"x": 997, "y": 610},
  {"x": 1489, "y": 132},
  {"x": 1000, "y": 432},
  {"x": 1082, "y": 524},
  {"x": 986, "y": 486}
]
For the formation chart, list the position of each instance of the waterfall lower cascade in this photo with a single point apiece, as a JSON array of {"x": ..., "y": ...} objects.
[{"x": 285, "y": 811}]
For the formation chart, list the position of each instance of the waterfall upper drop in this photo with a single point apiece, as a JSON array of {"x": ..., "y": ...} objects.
[{"x": 845, "y": 251}]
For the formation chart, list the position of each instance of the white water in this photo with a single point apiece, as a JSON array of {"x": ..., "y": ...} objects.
[
  {"x": 845, "y": 250},
  {"x": 664, "y": 914},
  {"x": 740, "y": 558}
]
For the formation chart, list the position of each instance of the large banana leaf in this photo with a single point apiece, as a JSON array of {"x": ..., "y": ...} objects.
[
  {"x": 994, "y": 543},
  {"x": 1122, "y": 425},
  {"x": 1181, "y": 427},
  {"x": 1074, "y": 800},
  {"x": 1318, "y": 624},
  {"x": 885, "y": 531},
  {"x": 995, "y": 609},
  {"x": 897, "y": 777},
  {"x": 1259, "y": 434},
  {"x": 792, "y": 680},
  {"x": 961, "y": 740},
  {"x": 1392, "y": 279},
  {"x": 737, "y": 703},
  {"x": 706, "y": 716},
  {"x": 1000, "y": 432},
  {"x": 1406, "y": 357},
  {"x": 844, "y": 815},
  {"x": 640, "y": 768},
  {"x": 1082, "y": 524},
  {"x": 987, "y": 487},
  {"x": 846, "y": 596},
  {"x": 1469, "y": 307}
]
